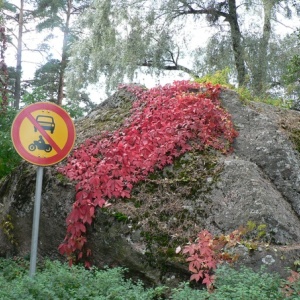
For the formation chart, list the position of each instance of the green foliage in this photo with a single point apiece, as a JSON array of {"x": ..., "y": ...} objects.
[
  {"x": 46, "y": 80},
  {"x": 8, "y": 6},
  {"x": 246, "y": 96},
  {"x": 237, "y": 285},
  {"x": 55, "y": 280},
  {"x": 80, "y": 106},
  {"x": 254, "y": 234},
  {"x": 9, "y": 158},
  {"x": 293, "y": 70},
  {"x": 44, "y": 87},
  {"x": 37, "y": 94},
  {"x": 185, "y": 292},
  {"x": 246, "y": 284},
  {"x": 219, "y": 77},
  {"x": 58, "y": 281},
  {"x": 155, "y": 36},
  {"x": 279, "y": 102},
  {"x": 222, "y": 77},
  {"x": 120, "y": 217},
  {"x": 291, "y": 75},
  {"x": 11, "y": 269}
]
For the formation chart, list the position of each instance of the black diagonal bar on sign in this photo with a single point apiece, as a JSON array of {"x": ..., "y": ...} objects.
[{"x": 43, "y": 133}]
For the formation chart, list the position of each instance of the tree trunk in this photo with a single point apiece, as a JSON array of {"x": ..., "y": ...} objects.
[
  {"x": 64, "y": 56},
  {"x": 17, "y": 94},
  {"x": 260, "y": 73},
  {"x": 3, "y": 72},
  {"x": 236, "y": 40}
]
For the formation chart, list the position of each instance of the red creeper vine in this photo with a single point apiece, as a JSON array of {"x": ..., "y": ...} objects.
[{"x": 165, "y": 123}]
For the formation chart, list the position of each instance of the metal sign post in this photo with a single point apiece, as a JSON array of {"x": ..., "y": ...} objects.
[
  {"x": 36, "y": 220},
  {"x": 43, "y": 134}
]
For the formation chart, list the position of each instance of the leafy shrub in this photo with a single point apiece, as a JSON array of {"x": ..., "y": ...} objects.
[
  {"x": 246, "y": 284},
  {"x": 9, "y": 158},
  {"x": 207, "y": 252},
  {"x": 219, "y": 77},
  {"x": 186, "y": 292},
  {"x": 291, "y": 286},
  {"x": 54, "y": 281},
  {"x": 231, "y": 284},
  {"x": 58, "y": 281},
  {"x": 11, "y": 269},
  {"x": 222, "y": 77}
]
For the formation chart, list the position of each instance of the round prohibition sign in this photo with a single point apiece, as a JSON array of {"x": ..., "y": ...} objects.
[{"x": 43, "y": 133}]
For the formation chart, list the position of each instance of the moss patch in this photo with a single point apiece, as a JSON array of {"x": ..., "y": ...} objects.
[
  {"x": 106, "y": 119},
  {"x": 8, "y": 229},
  {"x": 295, "y": 137},
  {"x": 170, "y": 205}
]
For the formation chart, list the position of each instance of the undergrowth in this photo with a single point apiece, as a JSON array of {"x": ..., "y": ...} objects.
[
  {"x": 54, "y": 281},
  {"x": 222, "y": 77}
]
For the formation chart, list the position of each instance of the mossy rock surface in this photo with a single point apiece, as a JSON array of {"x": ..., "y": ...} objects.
[{"x": 258, "y": 181}]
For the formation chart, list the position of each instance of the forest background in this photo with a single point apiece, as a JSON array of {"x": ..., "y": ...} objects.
[{"x": 60, "y": 50}]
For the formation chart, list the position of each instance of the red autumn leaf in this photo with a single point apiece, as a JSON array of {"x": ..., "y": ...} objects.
[
  {"x": 95, "y": 181},
  {"x": 196, "y": 277},
  {"x": 208, "y": 279}
]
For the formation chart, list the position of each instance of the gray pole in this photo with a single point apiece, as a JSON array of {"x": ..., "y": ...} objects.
[{"x": 36, "y": 220}]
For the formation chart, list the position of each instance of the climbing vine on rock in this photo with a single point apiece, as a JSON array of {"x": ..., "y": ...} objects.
[
  {"x": 208, "y": 251},
  {"x": 165, "y": 123}
]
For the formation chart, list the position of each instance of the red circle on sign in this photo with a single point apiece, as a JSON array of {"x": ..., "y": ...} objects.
[{"x": 22, "y": 149}]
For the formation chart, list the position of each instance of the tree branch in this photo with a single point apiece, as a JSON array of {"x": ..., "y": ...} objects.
[
  {"x": 187, "y": 9},
  {"x": 175, "y": 67}
]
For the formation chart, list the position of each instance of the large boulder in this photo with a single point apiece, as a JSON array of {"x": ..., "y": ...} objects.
[{"x": 258, "y": 182}]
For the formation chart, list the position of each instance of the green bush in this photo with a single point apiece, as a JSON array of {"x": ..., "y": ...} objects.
[
  {"x": 219, "y": 77},
  {"x": 222, "y": 77},
  {"x": 54, "y": 280},
  {"x": 9, "y": 158},
  {"x": 11, "y": 269},
  {"x": 246, "y": 284},
  {"x": 231, "y": 284},
  {"x": 59, "y": 281}
]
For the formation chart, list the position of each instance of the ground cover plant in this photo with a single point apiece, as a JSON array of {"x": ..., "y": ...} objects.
[
  {"x": 165, "y": 123},
  {"x": 222, "y": 77},
  {"x": 55, "y": 280}
]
